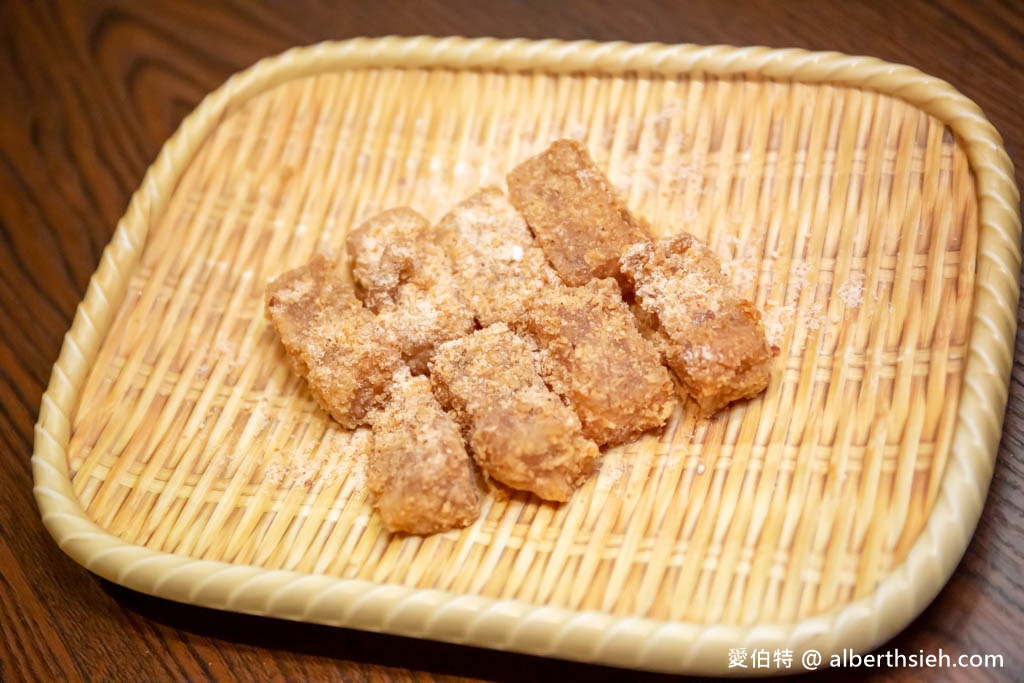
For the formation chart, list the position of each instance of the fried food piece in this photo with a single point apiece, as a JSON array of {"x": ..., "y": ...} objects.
[
  {"x": 407, "y": 279},
  {"x": 497, "y": 264},
  {"x": 713, "y": 340},
  {"x": 422, "y": 320},
  {"x": 594, "y": 356},
  {"x": 419, "y": 471},
  {"x": 519, "y": 431},
  {"x": 390, "y": 249},
  {"x": 579, "y": 220},
  {"x": 331, "y": 340}
]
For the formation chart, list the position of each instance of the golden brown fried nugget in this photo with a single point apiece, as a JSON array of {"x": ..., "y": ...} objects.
[
  {"x": 407, "y": 278},
  {"x": 419, "y": 470},
  {"x": 579, "y": 220},
  {"x": 519, "y": 432},
  {"x": 331, "y": 340},
  {"x": 498, "y": 266},
  {"x": 390, "y": 249},
  {"x": 714, "y": 340},
  {"x": 594, "y": 356},
  {"x": 422, "y": 321}
]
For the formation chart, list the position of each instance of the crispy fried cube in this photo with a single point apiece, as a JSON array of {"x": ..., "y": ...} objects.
[
  {"x": 406, "y": 277},
  {"x": 580, "y": 222},
  {"x": 497, "y": 264},
  {"x": 519, "y": 432},
  {"x": 390, "y": 249},
  {"x": 422, "y": 320},
  {"x": 419, "y": 471},
  {"x": 713, "y": 340},
  {"x": 594, "y": 356},
  {"x": 331, "y": 340}
]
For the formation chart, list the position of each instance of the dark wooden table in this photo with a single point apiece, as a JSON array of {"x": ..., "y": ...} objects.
[{"x": 88, "y": 93}]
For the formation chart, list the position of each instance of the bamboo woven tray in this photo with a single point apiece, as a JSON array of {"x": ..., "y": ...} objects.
[{"x": 868, "y": 209}]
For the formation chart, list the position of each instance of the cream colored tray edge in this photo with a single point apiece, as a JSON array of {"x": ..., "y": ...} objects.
[{"x": 518, "y": 626}]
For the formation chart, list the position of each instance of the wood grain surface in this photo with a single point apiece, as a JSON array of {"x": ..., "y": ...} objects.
[{"x": 89, "y": 91}]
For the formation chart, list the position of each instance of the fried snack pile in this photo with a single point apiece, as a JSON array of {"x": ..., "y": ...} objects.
[{"x": 500, "y": 339}]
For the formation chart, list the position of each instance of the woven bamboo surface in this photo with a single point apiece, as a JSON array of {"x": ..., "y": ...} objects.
[{"x": 850, "y": 216}]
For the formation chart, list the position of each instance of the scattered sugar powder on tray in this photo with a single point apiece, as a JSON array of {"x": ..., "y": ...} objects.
[
  {"x": 741, "y": 273},
  {"x": 260, "y": 416},
  {"x": 798, "y": 277},
  {"x": 275, "y": 472},
  {"x": 613, "y": 470},
  {"x": 203, "y": 370},
  {"x": 222, "y": 460},
  {"x": 352, "y": 463},
  {"x": 741, "y": 267},
  {"x": 778, "y": 321},
  {"x": 312, "y": 466},
  {"x": 664, "y": 115},
  {"x": 814, "y": 318},
  {"x": 851, "y": 292},
  {"x": 306, "y": 471},
  {"x": 576, "y": 131},
  {"x": 679, "y": 178}
]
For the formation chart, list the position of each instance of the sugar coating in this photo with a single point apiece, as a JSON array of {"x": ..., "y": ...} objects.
[
  {"x": 497, "y": 264},
  {"x": 391, "y": 249},
  {"x": 713, "y": 340},
  {"x": 579, "y": 221},
  {"x": 594, "y": 356},
  {"x": 519, "y": 432},
  {"x": 419, "y": 471},
  {"x": 406, "y": 277},
  {"x": 331, "y": 339}
]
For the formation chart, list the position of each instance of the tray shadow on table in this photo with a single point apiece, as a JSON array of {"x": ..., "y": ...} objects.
[{"x": 377, "y": 649}]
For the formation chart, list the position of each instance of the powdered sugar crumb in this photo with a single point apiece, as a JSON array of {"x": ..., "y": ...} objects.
[
  {"x": 339, "y": 455},
  {"x": 815, "y": 318},
  {"x": 613, "y": 471},
  {"x": 351, "y": 465},
  {"x": 274, "y": 473},
  {"x": 851, "y": 292},
  {"x": 778, "y": 322},
  {"x": 223, "y": 349},
  {"x": 576, "y": 131},
  {"x": 741, "y": 266},
  {"x": 798, "y": 275}
]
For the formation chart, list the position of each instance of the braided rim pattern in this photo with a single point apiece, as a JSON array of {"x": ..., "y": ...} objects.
[{"x": 518, "y": 626}]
